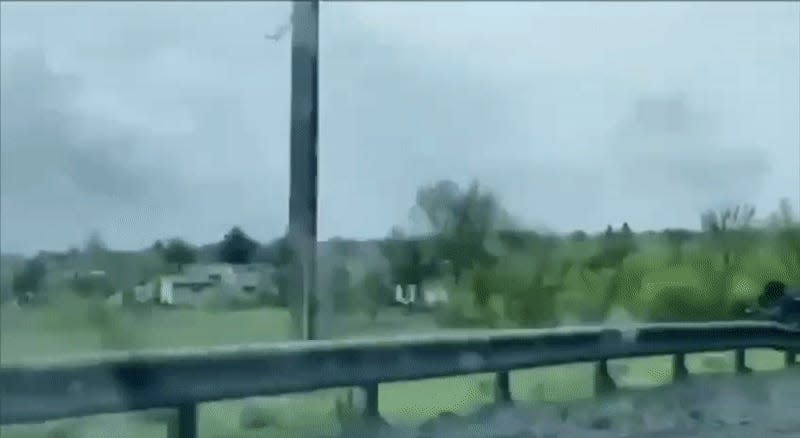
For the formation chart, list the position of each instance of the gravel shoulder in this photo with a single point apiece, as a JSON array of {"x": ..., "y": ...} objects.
[{"x": 761, "y": 405}]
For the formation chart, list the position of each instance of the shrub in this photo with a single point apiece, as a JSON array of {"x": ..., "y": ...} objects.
[
  {"x": 375, "y": 293},
  {"x": 677, "y": 303},
  {"x": 89, "y": 286},
  {"x": 458, "y": 316},
  {"x": 585, "y": 295},
  {"x": 481, "y": 287},
  {"x": 27, "y": 282}
]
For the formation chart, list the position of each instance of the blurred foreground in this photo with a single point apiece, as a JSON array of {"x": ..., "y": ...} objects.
[{"x": 749, "y": 406}]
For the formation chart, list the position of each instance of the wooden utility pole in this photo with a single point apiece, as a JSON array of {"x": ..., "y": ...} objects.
[{"x": 303, "y": 166}]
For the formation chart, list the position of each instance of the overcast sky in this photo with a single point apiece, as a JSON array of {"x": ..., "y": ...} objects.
[{"x": 147, "y": 120}]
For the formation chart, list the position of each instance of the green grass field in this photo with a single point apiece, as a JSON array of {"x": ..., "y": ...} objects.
[{"x": 38, "y": 334}]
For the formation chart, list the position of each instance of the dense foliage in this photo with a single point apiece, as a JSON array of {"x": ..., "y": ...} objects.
[{"x": 494, "y": 272}]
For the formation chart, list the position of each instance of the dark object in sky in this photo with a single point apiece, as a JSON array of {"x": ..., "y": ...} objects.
[{"x": 280, "y": 32}]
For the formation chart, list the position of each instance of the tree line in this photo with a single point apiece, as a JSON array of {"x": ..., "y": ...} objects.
[{"x": 473, "y": 242}]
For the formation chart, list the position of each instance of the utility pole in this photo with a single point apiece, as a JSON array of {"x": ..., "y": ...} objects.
[{"x": 303, "y": 166}]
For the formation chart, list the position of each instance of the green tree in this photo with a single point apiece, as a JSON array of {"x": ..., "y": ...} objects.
[
  {"x": 461, "y": 222},
  {"x": 676, "y": 239},
  {"x": 237, "y": 248},
  {"x": 178, "y": 252},
  {"x": 339, "y": 288},
  {"x": 376, "y": 293},
  {"x": 531, "y": 303},
  {"x": 626, "y": 241},
  {"x": 578, "y": 236},
  {"x": 27, "y": 282},
  {"x": 482, "y": 291},
  {"x": 95, "y": 243},
  {"x": 95, "y": 250},
  {"x": 408, "y": 263},
  {"x": 278, "y": 254},
  {"x": 393, "y": 250},
  {"x": 787, "y": 240},
  {"x": 396, "y": 250},
  {"x": 729, "y": 230},
  {"x": 614, "y": 247},
  {"x": 92, "y": 286}
]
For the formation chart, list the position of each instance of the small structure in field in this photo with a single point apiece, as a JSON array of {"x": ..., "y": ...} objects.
[
  {"x": 435, "y": 295},
  {"x": 431, "y": 296},
  {"x": 200, "y": 284}
]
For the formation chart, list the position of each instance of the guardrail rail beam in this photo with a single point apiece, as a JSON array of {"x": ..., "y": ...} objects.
[{"x": 115, "y": 382}]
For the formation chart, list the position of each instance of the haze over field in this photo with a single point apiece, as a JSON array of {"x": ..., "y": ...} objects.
[{"x": 143, "y": 121}]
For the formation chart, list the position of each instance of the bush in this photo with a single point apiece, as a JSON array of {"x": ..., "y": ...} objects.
[
  {"x": 532, "y": 305},
  {"x": 585, "y": 295},
  {"x": 90, "y": 286},
  {"x": 678, "y": 303},
  {"x": 518, "y": 282},
  {"x": 451, "y": 316},
  {"x": 481, "y": 287},
  {"x": 227, "y": 298},
  {"x": 27, "y": 282},
  {"x": 375, "y": 293}
]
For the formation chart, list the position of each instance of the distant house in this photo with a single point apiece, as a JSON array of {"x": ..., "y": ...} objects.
[
  {"x": 215, "y": 272},
  {"x": 145, "y": 292},
  {"x": 405, "y": 295},
  {"x": 200, "y": 283},
  {"x": 182, "y": 290},
  {"x": 432, "y": 295}
]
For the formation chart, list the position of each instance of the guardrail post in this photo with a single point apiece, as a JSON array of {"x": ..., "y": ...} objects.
[
  {"x": 740, "y": 364},
  {"x": 184, "y": 423},
  {"x": 371, "y": 408},
  {"x": 790, "y": 358},
  {"x": 603, "y": 382},
  {"x": 502, "y": 387},
  {"x": 679, "y": 370}
]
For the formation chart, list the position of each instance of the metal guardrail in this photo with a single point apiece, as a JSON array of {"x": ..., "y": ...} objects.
[{"x": 129, "y": 381}]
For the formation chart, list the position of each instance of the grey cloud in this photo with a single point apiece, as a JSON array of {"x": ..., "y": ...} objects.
[
  {"x": 669, "y": 150},
  {"x": 45, "y": 138},
  {"x": 394, "y": 117},
  {"x": 200, "y": 155},
  {"x": 195, "y": 103}
]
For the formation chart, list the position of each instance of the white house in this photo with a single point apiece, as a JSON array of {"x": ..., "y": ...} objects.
[
  {"x": 216, "y": 272},
  {"x": 432, "y": 295},
  {"x": 199, "y": 283},
  {"x": 144, "y": 292},
  {"x": 180, "y": 289},
  {"x": 407, "y": 296}
]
